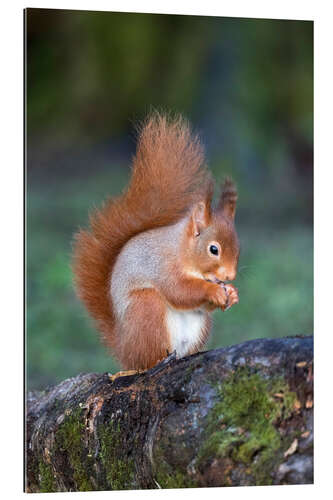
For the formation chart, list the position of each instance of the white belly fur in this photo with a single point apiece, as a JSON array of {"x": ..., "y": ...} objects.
[{"x": 185, "y": 328}]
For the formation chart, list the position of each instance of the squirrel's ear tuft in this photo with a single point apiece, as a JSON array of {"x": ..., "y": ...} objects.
[
  {"x": 228, "y": 199},
  {"x": 200, "y": 217}
]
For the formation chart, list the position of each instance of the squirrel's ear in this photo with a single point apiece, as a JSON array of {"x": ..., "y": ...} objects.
[
  {"x": 228, "y": 199},
  {"x": 200, "y": 217}
]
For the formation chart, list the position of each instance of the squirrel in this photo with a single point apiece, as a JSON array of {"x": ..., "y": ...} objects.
[{"x": 152, "y": 266}]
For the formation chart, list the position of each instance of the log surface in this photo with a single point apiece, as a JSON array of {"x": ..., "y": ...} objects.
[{"x": 241, "y": 415}]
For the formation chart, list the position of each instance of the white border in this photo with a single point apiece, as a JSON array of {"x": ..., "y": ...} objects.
[
  {"x": 11, "y": 210},
  {"x": 284, "y": 9}
]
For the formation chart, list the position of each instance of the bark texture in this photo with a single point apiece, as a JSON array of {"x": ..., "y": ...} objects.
[{"x": 241, "y": 415}]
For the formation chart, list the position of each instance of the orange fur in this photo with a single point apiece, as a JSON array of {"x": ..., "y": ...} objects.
[
  {"x": 145, "y": 341},
  {"x": 168, "y": 177}
]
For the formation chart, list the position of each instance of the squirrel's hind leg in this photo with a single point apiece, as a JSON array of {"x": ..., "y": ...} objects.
[
  {"x": 126, "y": 373},
  {"x": 143, "y": 339}
]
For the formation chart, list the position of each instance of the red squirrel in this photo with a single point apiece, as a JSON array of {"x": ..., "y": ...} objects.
[{"x": 151, "y": 268}]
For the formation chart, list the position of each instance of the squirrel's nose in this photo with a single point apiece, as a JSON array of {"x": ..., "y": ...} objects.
[{"x": 231, "y": 276}]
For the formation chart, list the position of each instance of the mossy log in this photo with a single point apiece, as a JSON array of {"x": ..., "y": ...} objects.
[{"x": 241, "y": 415}]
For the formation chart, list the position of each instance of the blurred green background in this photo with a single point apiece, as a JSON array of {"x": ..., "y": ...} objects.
[{"x": 247, "y": 87}]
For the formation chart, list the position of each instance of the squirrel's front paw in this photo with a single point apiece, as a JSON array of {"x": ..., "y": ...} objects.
[
  {"x": 232, "y": 293},
  {"x": 219, "y": 297}
]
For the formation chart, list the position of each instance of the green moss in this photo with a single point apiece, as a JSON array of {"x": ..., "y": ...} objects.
[
  {"x": 69, "y": 439},
  {"x": 241, "y": 425},
  {"x": 167, "y": 476},
  {"x": 119, "y": 469},
  {"x": 172, "y": 479},
  {"x": 46, "y": 479}
]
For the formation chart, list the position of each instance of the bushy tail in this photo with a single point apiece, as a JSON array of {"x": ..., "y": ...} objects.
[{"x": 168, "y": 177}]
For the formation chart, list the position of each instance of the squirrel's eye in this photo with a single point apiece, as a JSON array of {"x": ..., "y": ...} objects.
[{"x": 214, "y": 250}]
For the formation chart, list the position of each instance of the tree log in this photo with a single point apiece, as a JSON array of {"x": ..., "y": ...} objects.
[{"x": 241, "y": 415}]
